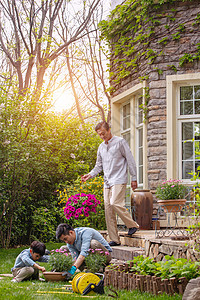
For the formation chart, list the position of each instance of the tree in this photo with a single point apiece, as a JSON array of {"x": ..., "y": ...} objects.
[
  {"x": 30, "y": 36},
  {"x": 34, "y": 162},
  {"x": 86, "y": 62}
]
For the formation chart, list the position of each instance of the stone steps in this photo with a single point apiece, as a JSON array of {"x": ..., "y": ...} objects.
[
  {"x": 130, "y": 246},
  {"x": 126, "y": 253}
]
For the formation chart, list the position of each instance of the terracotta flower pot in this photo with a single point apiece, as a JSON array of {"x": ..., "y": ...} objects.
[
  {"x": 54, "y": 276},
  {"x": 172, "y": 205}
]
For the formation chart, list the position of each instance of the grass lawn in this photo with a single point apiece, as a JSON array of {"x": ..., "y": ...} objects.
[{"x": 52, "y": 290}]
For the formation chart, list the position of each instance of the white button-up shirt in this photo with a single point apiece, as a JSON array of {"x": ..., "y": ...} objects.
[{"x": 114, "y": 158}]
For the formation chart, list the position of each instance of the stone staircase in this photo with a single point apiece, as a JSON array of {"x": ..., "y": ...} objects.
[
  {"x": 144, "y": 242},
  {"x": 130, "y": 246}
]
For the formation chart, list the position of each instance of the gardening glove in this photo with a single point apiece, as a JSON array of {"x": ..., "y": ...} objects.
[{"x": 72, "y": 270}]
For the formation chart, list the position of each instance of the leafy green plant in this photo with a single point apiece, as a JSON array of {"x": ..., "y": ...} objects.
[
  {"x": 194, "y": 230},
  {"x": 169, "y": 268},
  {"x": 186, "y": 58},
  {"x": 143, "y": 266},
  {"x": 177, "y": 268},
  {"x": 96, "y": 260},
  {"x": 60, "y": 260},
  {"x": 171, "y": 189}
]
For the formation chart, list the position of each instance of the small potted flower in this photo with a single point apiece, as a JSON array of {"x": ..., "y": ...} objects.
[
  {"x": 96, "y": 260},
  {"x": 171, "y": 195},
  {"x": 59, "y": 262}
]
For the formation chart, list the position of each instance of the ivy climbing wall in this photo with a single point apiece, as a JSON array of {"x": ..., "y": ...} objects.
[{"x": 150, "y": 40}]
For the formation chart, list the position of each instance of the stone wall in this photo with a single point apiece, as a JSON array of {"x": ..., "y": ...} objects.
[
  {"x": 159, "y": 248},
  {"x": 172, "y": 51}
]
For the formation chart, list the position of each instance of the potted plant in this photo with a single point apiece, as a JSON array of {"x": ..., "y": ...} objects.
[
  {"x": 96, "y": 260},
  {"x": 59, "y": 262},
  {"x": 171, "y": 195}
]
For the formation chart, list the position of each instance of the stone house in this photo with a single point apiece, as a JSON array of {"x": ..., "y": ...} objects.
[{"x": 155, "y": 80}]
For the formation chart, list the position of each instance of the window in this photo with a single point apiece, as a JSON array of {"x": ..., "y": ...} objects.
[
  {"x": 126, "y": 122},
  {"x": 183, "y": 125},
  {"x": 139, "y": 135},
  {"x": 126, "y": 134},
  {"x": 189, "y": 130}
]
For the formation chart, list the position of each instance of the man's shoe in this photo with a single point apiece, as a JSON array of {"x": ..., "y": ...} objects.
[
  {"x": 132, "y": 230},
  {"x": 112, "y": 244}
]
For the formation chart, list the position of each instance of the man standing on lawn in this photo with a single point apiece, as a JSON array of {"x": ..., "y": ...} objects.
[{"x": 114, "y": 157}]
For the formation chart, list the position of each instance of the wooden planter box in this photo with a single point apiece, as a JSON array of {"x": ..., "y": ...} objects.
[{"x": 121, "y": 278}]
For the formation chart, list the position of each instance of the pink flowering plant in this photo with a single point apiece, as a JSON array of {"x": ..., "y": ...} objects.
[
  {"x": 80, "y": 206},
  {"x": 96, "y": 260},
  {"x": 60, "y": 260},
  {"x": 171, "y": 189}
]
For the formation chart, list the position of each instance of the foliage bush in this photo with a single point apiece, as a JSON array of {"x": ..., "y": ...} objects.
[
  {"x": 39, "y": 150},
  {"x": 93, "y": 186}
]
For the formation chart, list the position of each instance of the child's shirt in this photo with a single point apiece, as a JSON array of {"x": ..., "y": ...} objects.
[{"x": 24, "y": 259}]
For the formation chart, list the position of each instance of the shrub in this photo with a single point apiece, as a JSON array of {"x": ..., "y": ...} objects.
[{"x": 93, "y": 186}]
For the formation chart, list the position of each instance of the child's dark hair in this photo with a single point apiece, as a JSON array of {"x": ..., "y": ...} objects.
[
  {"x": 38, "y": 247},
  {"x": 63, "y": 228}
]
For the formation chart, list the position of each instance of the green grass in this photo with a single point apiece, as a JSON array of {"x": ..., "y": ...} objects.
[{"x": 40, "y": 290}]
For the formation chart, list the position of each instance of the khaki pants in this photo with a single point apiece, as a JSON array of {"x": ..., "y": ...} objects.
[
  {"x": 114, "y": 202},
  {"x": 25, "y": 273}
]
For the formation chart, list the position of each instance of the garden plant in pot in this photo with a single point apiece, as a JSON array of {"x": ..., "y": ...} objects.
[
  {"x": 96, "y": 260},
  {"x": 59, "y": 262},
  {"x": 171, "y": 195}
]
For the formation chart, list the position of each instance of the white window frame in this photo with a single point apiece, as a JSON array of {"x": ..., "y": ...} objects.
[
  {"x": 137, "y": 128},
  {"x": 174, "y": 119},
  {"x": 128, "y": 130},
  {"x": 116, "y": 103}
]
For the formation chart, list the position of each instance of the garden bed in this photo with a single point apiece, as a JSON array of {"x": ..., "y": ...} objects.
[
  {"x": 122, "y": 278},
  {"x": 145, "y": 274}
]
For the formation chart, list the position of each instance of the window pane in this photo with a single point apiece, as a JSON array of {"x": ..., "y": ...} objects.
[
  {"x": 127, "y": 137},
  {"x": 187, "y": 131},
  {"x": 187, "y": 150},
  {"x": 186, "y": 92},
  {"x": 126, "y": 110},
  {"x": 140, "y": 137},
  {"x": 197, "y": 166},
  {"x": 197, "y": 92},
  {"x": 197, "y": 107},
  {"x": 197, "y": 130},
  {"x": 140, "y": 156},
  {"x": 187, "y": 167},
  {"x": 140, "y": 111},
  {"x": 140, "y": 174},
  {"x": 140, "y": 117},
  {"x": 186, "y": 107},
  {"x": 126, "y": 123},
  {"x": 197, "y": 149}
]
